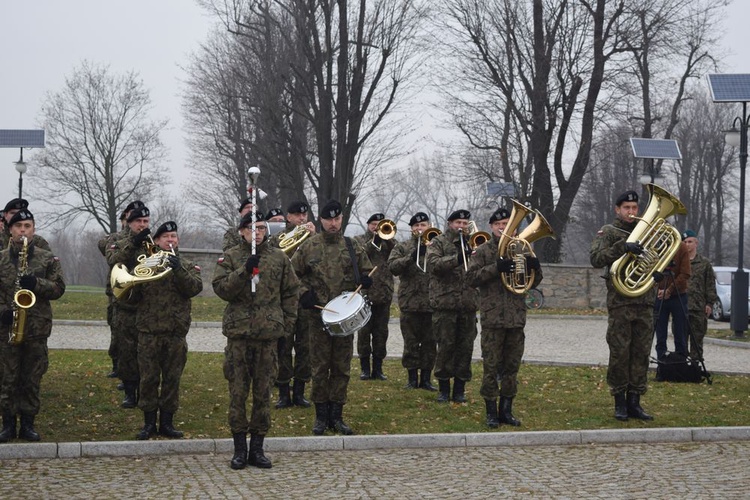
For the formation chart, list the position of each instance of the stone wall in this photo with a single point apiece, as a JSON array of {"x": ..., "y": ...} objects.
[{"x": 564, "y": 286}]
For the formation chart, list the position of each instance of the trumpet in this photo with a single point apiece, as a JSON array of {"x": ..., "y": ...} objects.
[
  {"x": 386, "y": 230},
  {"x": 425, "y": 237}
]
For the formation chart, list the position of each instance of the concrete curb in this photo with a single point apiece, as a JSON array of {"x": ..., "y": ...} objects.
[{"x": 22, "y": 451}]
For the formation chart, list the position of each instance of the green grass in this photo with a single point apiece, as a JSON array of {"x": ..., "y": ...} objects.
[{"x": 80, "y": 404}]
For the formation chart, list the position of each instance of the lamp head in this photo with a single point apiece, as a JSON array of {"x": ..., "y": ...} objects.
[{"x": 21, "y": 167}]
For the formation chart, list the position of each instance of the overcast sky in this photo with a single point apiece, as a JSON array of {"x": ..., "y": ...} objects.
[{"x": 44, "y": 40}]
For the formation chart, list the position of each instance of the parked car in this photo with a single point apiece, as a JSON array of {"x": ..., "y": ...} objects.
[{"x": 722, "y": 308}]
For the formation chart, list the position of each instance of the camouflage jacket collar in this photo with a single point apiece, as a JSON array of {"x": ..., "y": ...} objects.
[{"x": 331, "y": 237}]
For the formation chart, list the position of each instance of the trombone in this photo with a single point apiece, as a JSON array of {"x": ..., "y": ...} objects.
[
  {"x": 476, "y": 237},
  {"x": 424, "y": 238},
  {"x": 386, "y": 230}
]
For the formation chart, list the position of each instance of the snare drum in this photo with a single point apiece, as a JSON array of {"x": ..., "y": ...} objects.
[{"x": 343, "y": 317}]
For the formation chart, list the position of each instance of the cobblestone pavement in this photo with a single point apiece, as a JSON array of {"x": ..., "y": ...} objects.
[{"x": 633, "y": 471}]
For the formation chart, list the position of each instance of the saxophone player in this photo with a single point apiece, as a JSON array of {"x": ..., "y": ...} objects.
[{"x": 25, "y": 363}]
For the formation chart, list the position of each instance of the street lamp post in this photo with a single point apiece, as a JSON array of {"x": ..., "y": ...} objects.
[
  {"x": 738, "y": 318},
  {"x": 21, "y": 169}
]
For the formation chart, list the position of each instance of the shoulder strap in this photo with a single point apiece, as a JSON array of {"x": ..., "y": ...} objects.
[{"x": 353, "y": 258}]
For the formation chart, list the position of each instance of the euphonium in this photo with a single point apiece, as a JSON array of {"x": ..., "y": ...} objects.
[
  {"x": 290, "y": 240},
  {"x": 476, "y": 237},
  {"x": 23, "y": 299},
  {"x": 632, "y": 274},
  {"x": 386, "y": 230},
  {"x": 518, "y": 247},
  {"x": 152, "y": 266}
]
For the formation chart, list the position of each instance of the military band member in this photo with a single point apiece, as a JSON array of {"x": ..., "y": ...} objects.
[
  {"x": 372, "y": 339},
  {"x": 163, "y": 321},
  {"x": 11, "y": 209},
  {"x": 326, "y": 270},
  {"x": 275, "y": 215},
  {"x": 25, "y": 363},
  {"x": 253, "y": 322},
  {"x": 454, "y": 306},
  {"x": 232, "y": 236},
  {"x": 631, "y": 322},
  {"x": 701, "y": 294},
  {"x": 420, "y": 348},
  {"x": 297, "y": 364},
  {"x": 503, "y": 315},
  {"x": 125, "y": 250}
]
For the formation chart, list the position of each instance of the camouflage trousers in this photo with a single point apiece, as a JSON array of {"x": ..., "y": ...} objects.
[
  {"x": 331, "y": 359},
  {"x": 630, "y": 332},
  {"x": 249, "y": 362},
  {"x": 123, "y": 327},
  {"x": 372, "y": 338},
  {"x": 113, "y": 338},
  {"x": 161, "y": 360},
  {"x": 24, "y": 366},
  {"x": 697, "y": 327},
  {"x": 455, "y": 332},
  {"x": 297, "y": 365},
  {"x": 502, "y": 350},
  {"x": 420, "y": 348}
]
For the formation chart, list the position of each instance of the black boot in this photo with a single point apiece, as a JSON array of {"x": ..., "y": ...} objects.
[
  {"x": 365, "y": 364},
  {"x": 445, "y": 391},
  {"x": 113, "y": 373},
  {"x": 412, "y": 382},
  {"x": 166, "y": 427},
  {"x": 27, "y": 431},
  {"x": 634, "y": 407},
  {"x": 239, "y": 459},
  {"x": 149, "y": 426},
  {"x": 121, "y": 386},
  {"x": 458, "y": 391},
  {"x": 377, "y": 369},
  {"x": 284, "y": 400},
  {"x": 9, "y": 428},
  {"x": 493, "y": 422},
  {"x": 298, "y": 394},
  {"x": 321, "y": 419},
  {"x": 339, "y": 426},
  {"x": 255, "y": 456},
  {"x": 131, "y": 394},
  {"x": 505, "y": 412},
  {"x": 621, "y": 407},
  {"x": 425, "y": 382}
]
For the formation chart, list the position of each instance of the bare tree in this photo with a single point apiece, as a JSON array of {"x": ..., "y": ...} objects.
[{"x": 102, "y": 149}]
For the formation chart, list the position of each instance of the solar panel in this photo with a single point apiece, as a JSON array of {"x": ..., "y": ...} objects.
[
  {"x": 662, "y": 149},
  {"x": 495, "y": 189},
  {"x": 730, "y": 88},
  {"x": 21, "y": 138}
]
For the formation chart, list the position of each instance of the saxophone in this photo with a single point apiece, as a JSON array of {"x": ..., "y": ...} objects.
[{"x": 23, "y": 299}]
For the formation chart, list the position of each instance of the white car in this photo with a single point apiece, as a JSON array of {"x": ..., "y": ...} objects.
[{"x": 723, "y": 307}]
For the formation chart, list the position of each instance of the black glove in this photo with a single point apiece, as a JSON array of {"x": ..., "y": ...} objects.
[
  {"x": 633, "y": 248},
  {"x": 365, "y": 281},
  {"x": 28, "y": 281},
  {"x": 6, "y": 317},
  {"x": 173, "y": 261},
  {"x": 308, "y": 300},
  {"x": 252, "y": 263},
  {"x": 421, "y": 253},
  {"x": 658, "y": 276},
  {"x": 139, "y": 238},
  {"x": 532, "y": 263},
  {"x": 281, "y": 344},
  {"x": 506, "y": 265},
  {"x": 377, "y": 240}
]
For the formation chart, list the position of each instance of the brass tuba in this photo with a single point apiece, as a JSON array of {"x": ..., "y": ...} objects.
[
  {"x": 289, "y": 241},
  {"x": 632, "y": 274},
  {"x": 517, "y": 248},
  {"x": 23, "y": 299},
  {"x": 386, "y": 230},
  {"x": 152, "y": 265}
]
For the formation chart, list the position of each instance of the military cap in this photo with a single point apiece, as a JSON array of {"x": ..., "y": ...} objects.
[
  {"x": 459, "y": 214},
  {"x": 499, "y": 214},
  {"x": 627, "y": 196},
  {"x": 376, "y": 218},
  {"x": 19, "y": 216},
  {"x": 330, "y": 210},
  {"x": 167, "y": 227},
  {"x": 137, "y": 213},
  {"x": 247, "y": 219},
  {"x": 419, "y": 217},
  {"x": 273, "y": 213},
  {"x": 244, "y": 203},
  {"x": 689, "y": 233},
  {"x": 131, "y": 206},
  {"x": 298, "y": 207},
  {"x": 16, "y": 204}
]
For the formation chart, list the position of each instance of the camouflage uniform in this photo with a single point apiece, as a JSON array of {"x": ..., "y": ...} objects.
[
  {"x": 701, "y": 293},
  {"x": 380, "y": 295},
  {"x": 37, "y": 240},
  {"x": 163, "y": 321},
  {"x": 503, "y": 315},
  {"x": 454, "y": 308},
  {"x": 323, "y": 264},
  {"x": 231, "y": 239},
  {"x": 420, "y": 348},
  {"x": 631, "y": 323},
  {"x": 26, "y": 363},
  {"x": 253, "y": 325},
  {"x": 104, "y": 243}
]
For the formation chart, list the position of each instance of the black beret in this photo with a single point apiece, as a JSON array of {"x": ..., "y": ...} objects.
[
  {"x": 274, "y": 212},
  {"x": 167, "y": 227},
  {"x": 134, "y": 204},
  {"x": 500, "y": 214},
  {"x": 689, "y": 233},
  {"x": 297, "y": 207},
  {"x": 16, "y": 204},
  {"x": 137, "y": 213},
  {"x": 22, "y": 214},
  {"x": 330, "y": 210},
  {"x": 418, "y": 217},
  {"x": 247, "y": 219},
  {"x": 376, "y": 217},
  {"x": 459, "y": 214},
  {"x": 627, "y": 196},
  {"x": 244, "y": 203}
]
